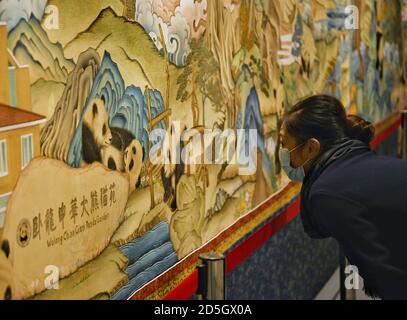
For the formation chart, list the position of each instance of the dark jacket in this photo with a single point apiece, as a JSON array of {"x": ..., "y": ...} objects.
[{"x": 360, "y": 198}]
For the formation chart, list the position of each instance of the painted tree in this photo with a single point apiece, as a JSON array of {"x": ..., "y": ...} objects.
[
  {"x": 272, "y": 20},
  {"x": 200, "y": 75},
  {"x": 268, "y": 36},
  {"x": 222, "y": 39},
  {"x": 358, "y": 40}
]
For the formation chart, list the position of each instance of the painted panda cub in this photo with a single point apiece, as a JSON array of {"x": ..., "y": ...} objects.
[
  {"x": 133, "y": 159},
  {"x": 124, "y": 154},
  {"x": 6, "y": 277},
  {"x": 96, "y": 133}
]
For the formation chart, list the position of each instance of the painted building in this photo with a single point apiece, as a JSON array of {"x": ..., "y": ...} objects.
[
  {"x": 19, "y": 144},
  {"x": 19, "y": 127}
]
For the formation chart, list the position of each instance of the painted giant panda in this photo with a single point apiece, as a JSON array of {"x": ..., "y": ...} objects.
[
  {"x": 124, "y": 154},
  {"x": 6, "y": 275},
  {"x": 96, "y": 133},
  {"x": 113, "y": 154},
  {"x": 133, "y": 159}
]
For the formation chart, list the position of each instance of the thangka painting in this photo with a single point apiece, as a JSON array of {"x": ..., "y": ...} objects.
[{"x": 133, "y": 132}]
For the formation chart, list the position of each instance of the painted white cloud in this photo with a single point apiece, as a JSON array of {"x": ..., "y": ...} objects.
[
  {"x": 12, "y": 11},
  {"x": 176, "y": 32},
  {"x": 165, "y": 8},
  {"x": 179, "y": 36},
  {"x": 195, "y": 15}
]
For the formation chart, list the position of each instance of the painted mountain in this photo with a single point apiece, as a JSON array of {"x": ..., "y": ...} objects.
[
  {"x": 73, "y": 19},
  {"x": 59, "y": 129},
  {"x": 133, "y": 50},
  {"x": 49, "y": 68},
  {"x": 139, "y": 62},
  {"x": 127, "y": 107},
  {"x": 31, "y": 45}
]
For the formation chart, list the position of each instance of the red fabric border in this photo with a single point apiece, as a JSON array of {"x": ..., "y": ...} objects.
[
  {"x": 185, "y": 289},
  {"x": 189, "y": 286},
  {"x": 156, "y": 284},
  {"x": 252, "y": 243}
]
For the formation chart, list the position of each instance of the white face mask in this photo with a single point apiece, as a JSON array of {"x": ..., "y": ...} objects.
[{"x": 295, "y": 174}]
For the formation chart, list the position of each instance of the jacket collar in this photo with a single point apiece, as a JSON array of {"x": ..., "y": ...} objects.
[{"x": 341, "y": 148}]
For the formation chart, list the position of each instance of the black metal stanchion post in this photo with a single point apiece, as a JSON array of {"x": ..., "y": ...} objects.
[
  {"x": 342, "y": 276},
  {"x": 211, "y": 277},
  {"x": 345, "y": 293}
]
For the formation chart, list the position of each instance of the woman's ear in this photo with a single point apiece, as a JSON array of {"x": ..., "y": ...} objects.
[{"x": 314, "y": 147}]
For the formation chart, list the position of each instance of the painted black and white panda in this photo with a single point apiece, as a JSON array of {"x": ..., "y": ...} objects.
[
  {"x": 113, "y": 154},
  {"x": 133, "y": 160},
  {"x": 124, "y": 154},
  {"x": 6, "y": 275},
  {"x": 116, "y": 148},
  {"x": 96, "y": 133}
]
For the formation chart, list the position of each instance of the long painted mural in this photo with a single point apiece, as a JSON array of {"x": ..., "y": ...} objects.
[{"x": 98, "y": 97}]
